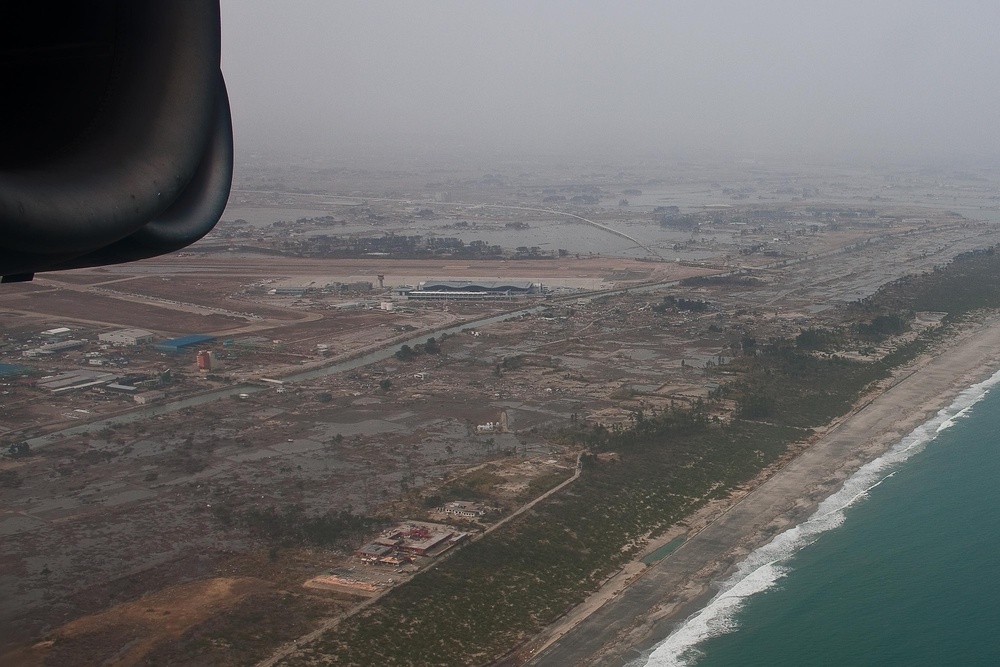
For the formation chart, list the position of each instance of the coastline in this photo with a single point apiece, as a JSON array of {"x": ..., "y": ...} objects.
[{"x": 641, "y": 605}]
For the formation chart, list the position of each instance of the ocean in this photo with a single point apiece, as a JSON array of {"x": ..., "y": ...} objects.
[{"x": 899, "y": 567}]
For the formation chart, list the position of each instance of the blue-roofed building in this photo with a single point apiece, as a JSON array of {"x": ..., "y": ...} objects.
[
  {"x": 175, "y": 345},
  {"x": 12, "y": 369}
]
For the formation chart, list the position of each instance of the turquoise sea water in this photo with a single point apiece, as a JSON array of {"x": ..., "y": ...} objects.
[{"x": 901, "y": 567}]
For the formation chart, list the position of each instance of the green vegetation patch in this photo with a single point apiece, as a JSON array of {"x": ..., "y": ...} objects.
[
  {"x": 476, "y": 485},
  {"x": 500, "y": 590},
  {"x": 496, "y": 592},
  {"x": 291, "y": 526},
  {"x": 539, "y": 485},
  {"x": 244, "y": 634}
]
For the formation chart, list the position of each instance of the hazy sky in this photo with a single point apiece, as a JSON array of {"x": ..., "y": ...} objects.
[{"x": 827, "y": 78}]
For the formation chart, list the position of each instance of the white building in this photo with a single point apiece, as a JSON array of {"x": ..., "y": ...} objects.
[
  {"x": 61, "y": 331},
  {"x": 53, "y": 348},
  {"x": 147, "y": 397},
  {"x": 464, "y": 508},
  {"x": 127, "y": 337}
]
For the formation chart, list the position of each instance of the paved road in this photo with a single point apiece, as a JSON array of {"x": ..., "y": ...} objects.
[{"x": 291, "y": 647}]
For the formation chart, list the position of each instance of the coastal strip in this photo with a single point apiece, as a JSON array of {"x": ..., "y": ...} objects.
[{"x": 627, "y": 620}]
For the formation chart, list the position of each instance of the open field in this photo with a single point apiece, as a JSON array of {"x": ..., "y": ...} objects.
[{"x": 63, "y": 306}]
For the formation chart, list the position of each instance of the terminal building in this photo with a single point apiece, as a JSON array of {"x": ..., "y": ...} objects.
[{"x": 468, "y": 290}]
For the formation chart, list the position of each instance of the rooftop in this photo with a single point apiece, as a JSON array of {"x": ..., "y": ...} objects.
[
  {"x": 476, "y": 286},
  {"x": 185, "y": 341}
]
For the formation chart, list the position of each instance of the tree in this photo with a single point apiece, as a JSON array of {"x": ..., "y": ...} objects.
[
  {"x": 19, "y": 449},
  {"x": 384, "y": 385},
  {"x": 754, "y": 405}
]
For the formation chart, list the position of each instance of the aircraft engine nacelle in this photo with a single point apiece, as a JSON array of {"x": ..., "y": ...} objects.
[{"x": 115, "y": 132}]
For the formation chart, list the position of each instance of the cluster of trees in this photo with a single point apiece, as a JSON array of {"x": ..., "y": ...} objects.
[
  {"x": 781, "y": 382},
  {"x": 406, "y": 353},
  {"x": 291, "y": 526},
  {"x": 477, "y": 485},
  {"x": 404, "y": 246},
  {"x": 18, "y": 448},
  {"x": 643, "y": 428},
  {"x": 510, "y": 363},
  {"x": 514, "y": 362},
  {"x": 814, "y": 339},
  {"x": 682, "y": 222},
  {"x": 755, "y": 404},
  {"x": 516, "y": 580},
  {"x": 970, "y": 282},
  {"x": 881, "y": 327},
  {"x": 534, "y": 252}
]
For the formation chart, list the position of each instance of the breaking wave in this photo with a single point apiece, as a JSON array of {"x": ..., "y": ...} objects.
[{"x": 762, "y": 569}]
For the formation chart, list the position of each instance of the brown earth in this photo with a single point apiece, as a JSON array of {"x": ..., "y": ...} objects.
[
  {"x": 118, "y": 312},
  {"x": 214, "y": 292},
  {"x": 585, "y": 267},
  {"x": 126, "y": 633}
]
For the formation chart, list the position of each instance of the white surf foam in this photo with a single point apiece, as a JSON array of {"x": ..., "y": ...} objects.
[{"x": 766, "y": 565}]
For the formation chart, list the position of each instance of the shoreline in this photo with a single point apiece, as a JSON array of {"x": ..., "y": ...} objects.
[{"x": 640, "y": 606}]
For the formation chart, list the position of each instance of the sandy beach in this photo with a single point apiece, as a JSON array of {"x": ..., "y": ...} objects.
[{"x": 639, "y": 607}]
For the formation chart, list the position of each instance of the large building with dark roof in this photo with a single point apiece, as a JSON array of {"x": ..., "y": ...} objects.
[{"x": 473, "y": 290}]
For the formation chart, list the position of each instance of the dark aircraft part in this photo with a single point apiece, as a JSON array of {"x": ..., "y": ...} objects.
[{"x": 116, "y": 139}]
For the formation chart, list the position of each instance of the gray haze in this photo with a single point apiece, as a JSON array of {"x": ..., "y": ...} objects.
[{"x": 825, "y": 79}]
